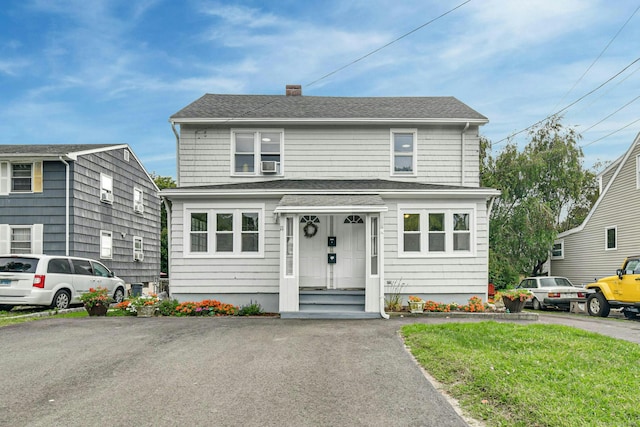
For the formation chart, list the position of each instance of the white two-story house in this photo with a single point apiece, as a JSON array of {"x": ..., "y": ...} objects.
[{"x": 319, "y": 206}]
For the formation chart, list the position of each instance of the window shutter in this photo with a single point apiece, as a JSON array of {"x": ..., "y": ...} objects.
[
  {"x": 4, "y": 178},
  {"x": 37, "y": 177},
  {"x": 36, "y": 238},
  {"x": 4, "y": 238}
]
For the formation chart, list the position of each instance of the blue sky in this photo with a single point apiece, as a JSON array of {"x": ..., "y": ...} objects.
[{"x": 113, "y": 71}]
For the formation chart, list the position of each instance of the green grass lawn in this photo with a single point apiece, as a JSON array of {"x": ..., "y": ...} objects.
[{"x": 508, "y": 374}]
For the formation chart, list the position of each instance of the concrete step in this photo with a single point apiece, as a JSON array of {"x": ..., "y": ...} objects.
[{"x": 328, "y": 315}]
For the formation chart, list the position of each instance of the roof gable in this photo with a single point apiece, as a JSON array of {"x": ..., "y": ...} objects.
[{"x": 55, "y": 150}]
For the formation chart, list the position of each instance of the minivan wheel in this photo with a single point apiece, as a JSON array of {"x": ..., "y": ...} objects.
[
  {"x": 118, "y": 296},
  {"x": 61, "y": 300}
]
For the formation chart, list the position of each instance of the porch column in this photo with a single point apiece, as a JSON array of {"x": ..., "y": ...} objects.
[{"x": 289, "y": 286}]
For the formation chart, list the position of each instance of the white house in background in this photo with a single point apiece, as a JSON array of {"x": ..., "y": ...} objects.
[
  {"x": 315, "y": 206},
  {"x": 611, "y": 231}
]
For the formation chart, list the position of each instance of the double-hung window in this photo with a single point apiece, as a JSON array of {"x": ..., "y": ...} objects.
[
  {"x": 106, "y": 188},
  {"x": 257, "y": 152},
  {"x": 106, "y": 244},
  {"x": 403, "y": 152},
  {"x": 611, "y": 238},
  {"x": 20, "y": 240},
  {"x": 557, "y": 251},
  {"x": 436, "y": 232},
  {"x": 225, "y": 232},
  {"x": 138, "y": 200},
  {"x": 138, "y": 248},
  {"x": 21, "y": 177}
]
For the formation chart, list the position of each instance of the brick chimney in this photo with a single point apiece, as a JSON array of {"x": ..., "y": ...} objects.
[{"x": 294, "y": 90}]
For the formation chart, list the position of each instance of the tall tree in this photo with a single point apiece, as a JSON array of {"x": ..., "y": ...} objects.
[
  {"x": 539, "y": 185},
  {"x": 163, "y": 182}
]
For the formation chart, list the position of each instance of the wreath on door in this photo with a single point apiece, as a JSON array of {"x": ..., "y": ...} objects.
[{"x": 310, "y": 229}]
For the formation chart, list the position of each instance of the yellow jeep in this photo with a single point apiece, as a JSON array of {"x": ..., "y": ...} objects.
[{"x": 619, "y": 291}]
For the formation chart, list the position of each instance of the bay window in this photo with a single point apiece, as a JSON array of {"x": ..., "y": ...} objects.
[{"x": 436, "y": 232}]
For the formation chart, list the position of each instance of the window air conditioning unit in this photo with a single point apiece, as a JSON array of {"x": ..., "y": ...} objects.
[
  {"x": 138, "y": 207},
  {"x": 105, "y": 196},
  {"x": 269, "y": 167},
  {"x": 138, "y": 256}
]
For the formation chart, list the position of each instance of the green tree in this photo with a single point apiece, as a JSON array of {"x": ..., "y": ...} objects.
[
  {"x": 163, "y": 182},
  {"x": 540, "y": 185}
]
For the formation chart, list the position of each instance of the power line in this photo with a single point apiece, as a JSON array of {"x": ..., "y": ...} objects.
[
  {"x": 386, "y": 45},
  {"x": 621, "y": 108},
  {"x": 599, "y": 56},
  {"x": 609, "y": 134},
  {"x": 568, "y": 106}
]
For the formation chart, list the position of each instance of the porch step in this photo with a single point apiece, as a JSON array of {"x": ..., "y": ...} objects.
[{"x": 331, "y": 304}]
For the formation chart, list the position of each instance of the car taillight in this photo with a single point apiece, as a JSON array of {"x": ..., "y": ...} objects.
[
  {"x": 38, "y": 281},
  {"x": 581, "y": 295},
  {"x": 553, "y": 294}
]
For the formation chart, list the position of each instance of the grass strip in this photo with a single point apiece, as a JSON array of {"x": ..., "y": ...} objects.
[{"x": 509, "y": 374}]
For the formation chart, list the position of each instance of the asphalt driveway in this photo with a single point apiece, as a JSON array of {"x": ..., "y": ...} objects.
[{"x": 125, "y": 371}]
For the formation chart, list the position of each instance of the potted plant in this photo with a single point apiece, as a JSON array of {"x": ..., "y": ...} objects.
[
  {"x": 416, "y": 304},
  {"x": 144, "y": 305},
  {"x": 96, "y": 301},
  {"x": 514, "y": 299}
]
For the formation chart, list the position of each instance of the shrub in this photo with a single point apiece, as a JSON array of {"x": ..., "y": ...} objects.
[
  {"x": 168, "y": 307},
  {"x": 252, "y": 309}
]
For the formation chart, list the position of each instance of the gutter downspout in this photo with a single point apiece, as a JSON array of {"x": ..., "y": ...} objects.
[
  {"x": 167, "y": 208},
  {"x": 175, "y": 132},
  {"x": 381, "y": 261},
  {"x": 463, "y": 169},
  {"x": 66, "y": 206}
]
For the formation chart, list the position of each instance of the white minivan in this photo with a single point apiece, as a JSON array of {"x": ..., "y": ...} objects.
[{"x": 52, "y": 280}]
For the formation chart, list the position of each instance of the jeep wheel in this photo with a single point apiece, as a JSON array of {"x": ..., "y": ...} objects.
[
  {"x": 537, "y": 305},
  {"x": 597, "y": 305}
]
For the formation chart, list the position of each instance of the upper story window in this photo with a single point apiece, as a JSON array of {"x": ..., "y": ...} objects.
[
  {"x": 138, "y": 248},
  {"x": 257, "y": 152},
  {"x": 126, "y": 155},
  {"x": 138, "y": 200},
  {"x": 403, "y": 151},
  {"x": 21, "y": 177},
  {"x": 436, "y": 232},
  {"x": 611, "y": 238},
  {"x": 557, "y": 251},
  {"x": 106, "y": 188}
]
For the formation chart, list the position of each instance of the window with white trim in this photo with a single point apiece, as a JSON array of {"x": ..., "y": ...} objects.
[
  {"x": 126, "y": 155},
  {"x": 20, "y": 240},
  {"x": 106, "y": 244},
  {"x": 256, "y": 152},
  {"x": 403, "y": 151},
  {"x": 138, "y": 200},
  {"x": 557, "y": 251},
  {"x": 138, "y": 248},
  {"x": 226, "y": 232},
  {"x": 106, "y": 188},
  {"x": 611, "y": 238},
  {"x": 21, "y": 177},
  {"x": 436, "y": 232}
]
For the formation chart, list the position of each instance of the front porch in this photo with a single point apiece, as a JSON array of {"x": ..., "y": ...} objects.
[{"x": 331, "y": 304}]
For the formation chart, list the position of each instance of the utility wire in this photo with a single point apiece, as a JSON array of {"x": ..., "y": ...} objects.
[
  {"x": 387, "y": 45},
  {"x": 568, "y": 106},
  {"x": 596, "y": 60},
  {"x": 621, "y": 108},
  {"x": 609, "y": 134}
]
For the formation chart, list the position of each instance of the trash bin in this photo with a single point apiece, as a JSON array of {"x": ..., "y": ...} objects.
[{"x": 136, "y": 289}]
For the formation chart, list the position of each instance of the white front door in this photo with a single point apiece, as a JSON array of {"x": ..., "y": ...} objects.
[
  {"x": 313, "y": 251},
  {"x": 349, "y": 269}
]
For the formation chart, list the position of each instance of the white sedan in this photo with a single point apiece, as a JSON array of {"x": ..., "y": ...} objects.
[{"x": 552, "y": 291}]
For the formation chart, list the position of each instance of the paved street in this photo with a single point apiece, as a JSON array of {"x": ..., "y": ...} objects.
[{"x": 124, "y": 371}]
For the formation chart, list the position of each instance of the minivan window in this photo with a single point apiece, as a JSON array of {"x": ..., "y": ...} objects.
[
  {"x": 82, "y": 266},
  {"x": 59, "y": 265},
  {"x": 100, "y": 270},
  {"x": 18, "y": 265}
]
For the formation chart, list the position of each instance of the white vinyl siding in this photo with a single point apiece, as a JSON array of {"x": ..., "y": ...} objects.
[
  {"x": 637, "y": 172},
  {"x": 339, "y": 152},
  {"x": 224, "y": 231}
]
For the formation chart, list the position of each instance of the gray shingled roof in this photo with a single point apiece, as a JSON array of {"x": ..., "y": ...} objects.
[
  {"x": 331, "y": 200},
  {"x": 50, "y": 150},
  {"x": 212, "y": 106},
  {"x": 326, "y": 185}
]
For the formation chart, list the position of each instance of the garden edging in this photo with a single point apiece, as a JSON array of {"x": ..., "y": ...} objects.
[{"x": 467, "y": 315}]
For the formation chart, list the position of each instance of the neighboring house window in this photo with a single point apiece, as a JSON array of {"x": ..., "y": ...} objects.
[
  {"x": 20, "y": 240},
  {"x": 374, "y": 246},
  {"x": 403, "y": 151},
  {"x": 126, "y": 155},
  {"x": 138, "y": 200},
  {"x": 226, "y": 232},
  {"x": 611, "y": 238},
  {"x": 257, "y": 152},
  {"x": 106, "y": 244},
  {"x": 557, "y": 252},
  {"x": 106, "y": 188},
  {"x": 138, "y": 251},
  {"x": 289, "y": 243},
  {"x": 21, "y": 177},
  {"x": 436, "y": 232}
]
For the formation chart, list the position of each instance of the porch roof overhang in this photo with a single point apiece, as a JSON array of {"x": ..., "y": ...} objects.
[{"x": 335, "y": 203}]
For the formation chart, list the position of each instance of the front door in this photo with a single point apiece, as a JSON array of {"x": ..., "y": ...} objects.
[
  {"x": 313, "y": 251},
  {"x": 349, "y": 269}
]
